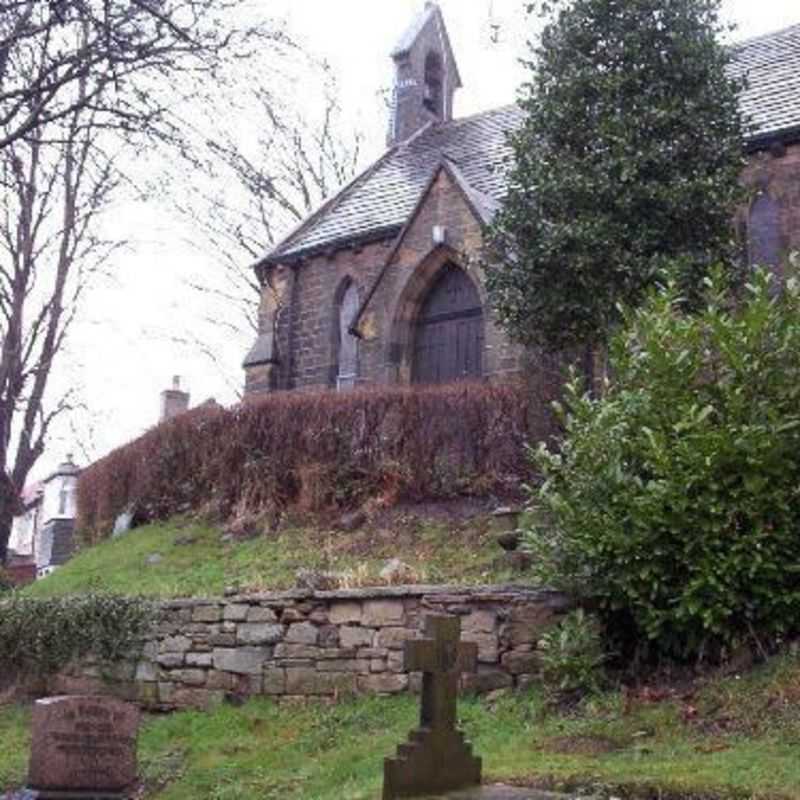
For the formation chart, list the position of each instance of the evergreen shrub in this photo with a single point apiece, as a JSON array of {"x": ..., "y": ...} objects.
[
  {"x": 322, "y": 450},
  {"x": 627, "y": 163},
  {"x": 674, "y": 498},
  {"x": 40, "y": 636}
]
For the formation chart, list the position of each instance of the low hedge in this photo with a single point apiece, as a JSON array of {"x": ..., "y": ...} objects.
[
  {"x": 40, "y": 636},
  {"x": 321, "y": 451}
]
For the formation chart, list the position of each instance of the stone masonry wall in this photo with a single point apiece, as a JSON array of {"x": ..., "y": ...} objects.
[
  {"x": 300, "y": 644},
  {"x": 305, "y": 341}
]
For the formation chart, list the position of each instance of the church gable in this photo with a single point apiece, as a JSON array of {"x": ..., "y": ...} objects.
[
  {"x": 379, "y": 202},
  {"x": 443, "y": 221},
  {"x": 429, "y": 296}
]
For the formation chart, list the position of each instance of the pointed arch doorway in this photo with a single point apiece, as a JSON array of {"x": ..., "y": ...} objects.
[{"x": 448, "y": 336}]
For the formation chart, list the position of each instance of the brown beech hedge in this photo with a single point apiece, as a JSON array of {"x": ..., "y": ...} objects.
[{"x": 321, "y": 451}]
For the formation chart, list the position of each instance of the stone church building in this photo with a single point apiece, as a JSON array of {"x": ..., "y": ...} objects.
[{"x": 379, "y": 285}]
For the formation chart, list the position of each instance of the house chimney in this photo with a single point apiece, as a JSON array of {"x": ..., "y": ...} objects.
[{"x": 174, "y": 401}]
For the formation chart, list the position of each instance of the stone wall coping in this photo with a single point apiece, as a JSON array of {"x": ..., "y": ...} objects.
[{"x": 457, "y": 593}]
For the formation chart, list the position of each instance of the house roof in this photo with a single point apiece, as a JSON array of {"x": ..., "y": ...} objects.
[{"x": 377, "y": 204}]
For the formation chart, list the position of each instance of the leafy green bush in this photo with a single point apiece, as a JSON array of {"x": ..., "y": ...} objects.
[
  {"x": 675, "y": 497},
  {"x": 572, "y": 655},
  {"x": 41, "y": 636}
]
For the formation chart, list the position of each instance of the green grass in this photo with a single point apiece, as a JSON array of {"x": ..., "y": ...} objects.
[
  {"x": 14, "y": 745},
  {"x": 195, "y": 562},
  {"x": 741, "y": 740}
]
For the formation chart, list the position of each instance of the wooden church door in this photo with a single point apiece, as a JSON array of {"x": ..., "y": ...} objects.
[{"x": 448, "y": 344}]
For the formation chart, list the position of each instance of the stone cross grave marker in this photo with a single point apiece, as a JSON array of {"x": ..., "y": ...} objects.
[
  {"x": 436, "y": 757},
  {"x": 83, "y": 748}
]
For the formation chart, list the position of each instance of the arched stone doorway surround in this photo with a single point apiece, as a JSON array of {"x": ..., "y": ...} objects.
[{"x": 409, "y": 305}]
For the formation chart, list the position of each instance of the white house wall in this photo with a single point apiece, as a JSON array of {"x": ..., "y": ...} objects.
[{"x": 51, "y": 507}]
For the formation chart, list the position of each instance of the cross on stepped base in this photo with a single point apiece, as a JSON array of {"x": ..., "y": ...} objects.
[{"x": 436, "y": 757}]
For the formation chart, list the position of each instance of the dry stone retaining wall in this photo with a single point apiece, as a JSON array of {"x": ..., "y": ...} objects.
[{"x": 301, "y": 644}]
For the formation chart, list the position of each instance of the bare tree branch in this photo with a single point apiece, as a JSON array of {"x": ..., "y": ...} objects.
[
  {"x": 83, "y": 83},
  {"x": 118, "y": 51},
  {"x": 250, "y": 187}
]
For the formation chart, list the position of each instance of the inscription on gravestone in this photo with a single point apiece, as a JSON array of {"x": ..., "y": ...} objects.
[
  {"x": 436, "y": 757},
  {"x": 83, "y": 747}
]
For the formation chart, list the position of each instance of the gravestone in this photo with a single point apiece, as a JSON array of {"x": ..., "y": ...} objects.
[
  {"x": 83, "y": 748},
  {"x": 436, "y": 757}
]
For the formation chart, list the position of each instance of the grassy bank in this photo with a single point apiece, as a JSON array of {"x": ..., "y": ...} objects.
[
  {"x": 14, "y": 745},
  {"x": 737, "y": 737},
  {"x": 192, "y": 560}
]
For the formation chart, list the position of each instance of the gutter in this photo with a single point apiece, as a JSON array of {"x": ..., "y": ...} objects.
[{"x": 767, "y": 141}]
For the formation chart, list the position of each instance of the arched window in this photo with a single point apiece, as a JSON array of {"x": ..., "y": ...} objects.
[
  {"x": 433, "y": 85},
  {"x": 346, "y": 343},
  {"x": 448, "y": 342},
  {"x": 764, "y": 232}
]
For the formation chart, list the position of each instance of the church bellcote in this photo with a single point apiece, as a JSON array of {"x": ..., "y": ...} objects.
[{"x": 426, "y": 76}]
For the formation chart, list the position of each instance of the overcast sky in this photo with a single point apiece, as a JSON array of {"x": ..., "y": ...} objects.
[{"x": 121, "y": 354}]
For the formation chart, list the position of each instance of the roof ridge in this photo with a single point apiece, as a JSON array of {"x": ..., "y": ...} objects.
[
  {"x": 417, "y": 134},
  {"x": 763, "y": 36},
  {"x": 440, "y": 126},
  {"x": 484, "y": 113}
]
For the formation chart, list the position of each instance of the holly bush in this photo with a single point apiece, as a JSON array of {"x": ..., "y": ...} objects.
[
  {"x": 627, "y": 162},
  {"x": 674, "y": 498}
]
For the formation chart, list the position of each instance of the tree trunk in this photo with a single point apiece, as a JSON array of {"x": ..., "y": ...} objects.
[{"x": 7, "y": 509}]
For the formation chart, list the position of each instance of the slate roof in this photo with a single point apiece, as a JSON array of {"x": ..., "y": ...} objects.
[
  {"x": 772, "y": 98},
  {"x": 376, "y": 205},
  {"x": 378, "y": 202}
]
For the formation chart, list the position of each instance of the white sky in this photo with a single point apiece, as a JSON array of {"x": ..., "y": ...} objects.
[{"x": 120, "y": 353}]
